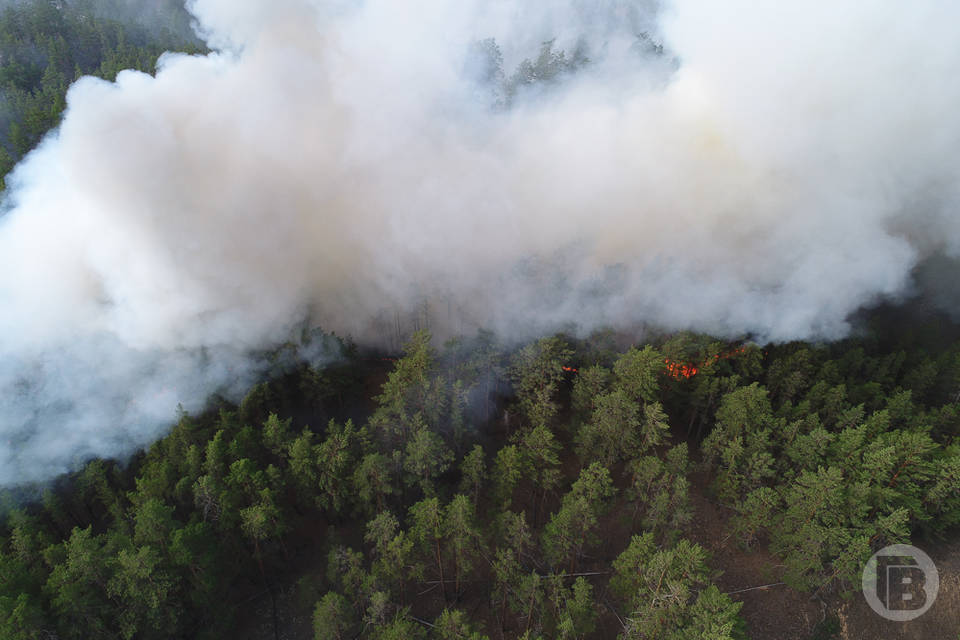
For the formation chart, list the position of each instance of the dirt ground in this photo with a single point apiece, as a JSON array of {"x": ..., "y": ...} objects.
[
  {"x": 780, "y": 613},
  {"x": 857, "y": 621},
  {"x": 772, "y": 610},
  {"x": 775, "y": 612}
]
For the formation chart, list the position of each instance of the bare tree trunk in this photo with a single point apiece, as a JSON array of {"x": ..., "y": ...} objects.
[{"x": 443, "y": 587}]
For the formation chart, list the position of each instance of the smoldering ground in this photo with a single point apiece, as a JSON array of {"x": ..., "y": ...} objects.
[{"x": 724, "y": 167}]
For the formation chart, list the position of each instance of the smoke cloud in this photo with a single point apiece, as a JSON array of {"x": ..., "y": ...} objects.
[{"x": 727, "y": 167}]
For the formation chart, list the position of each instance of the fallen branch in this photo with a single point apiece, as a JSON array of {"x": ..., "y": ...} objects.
[
  {"x": 423, "y": 622},
  {"x": 547, "y": 575},
  {"x": 762, "y": 586},
  {"x": 613, "y": 609}
]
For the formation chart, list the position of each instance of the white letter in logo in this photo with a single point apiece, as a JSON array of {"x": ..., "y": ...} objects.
[{"x": 900, "y": 582}]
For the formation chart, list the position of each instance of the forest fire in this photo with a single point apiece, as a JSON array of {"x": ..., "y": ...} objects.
[
  {"x": 686, "y": 370},
  {"x": 680, "y": 369}
]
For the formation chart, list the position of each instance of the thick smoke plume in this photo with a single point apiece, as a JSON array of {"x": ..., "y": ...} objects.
[{"x": 729, "y": 167}]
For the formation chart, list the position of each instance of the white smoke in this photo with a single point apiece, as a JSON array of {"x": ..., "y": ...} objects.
[{"x": 779, "y": 166}]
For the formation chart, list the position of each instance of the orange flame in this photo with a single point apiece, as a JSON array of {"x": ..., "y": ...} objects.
[
  {"x": 687, "y": 370},
  {"x": 679, "y": 369}
]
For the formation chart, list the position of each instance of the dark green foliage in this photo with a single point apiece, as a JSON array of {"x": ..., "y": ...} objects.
[
  {"x": 333, "y": 618},
  {"x": 573, "y": 527},
  {"x": 392, "y": 553},
  {"x": 426, "y": 457},
  {"x": 536, "y": 373},
  {"x": 374, "y": 481},
  {"x": 613, "y": 432},
  {"x": 659, "y": 491},
  {"x": 823, "y": 479},
  {"x": 637, "y": 373},
  {"x": 540, "y": 457},
  {"x": 335, "y": 459},
  {"x": 588, "y": 388},
  {"x": 438, "y": 521},
  {"x": 740, "y": 443},
  {"x": 403, "y": 402},
  {"x": 473, "y": 471},
  {"x": 464, "y": 538},
  {"x": 454, "y": 624},
  {"x": 507, "y": 471},
  {"x": 661, "y": 588}
]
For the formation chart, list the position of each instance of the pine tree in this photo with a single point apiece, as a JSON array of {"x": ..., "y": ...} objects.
[
  {"x": 462, "y": 536},
  {"x": 426, "y": 457},
  {"x": 536, "y": 373},
  {"x": 637, "y": 373},
  {"x": 473, "y": 472},
  {"x": 613, "y": 432},
  {"x": 333, "y": 618},
  {"x": 572, "y": 528}
]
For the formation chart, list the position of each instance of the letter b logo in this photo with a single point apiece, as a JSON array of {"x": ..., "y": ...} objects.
[{"x": 900, "y": 582}]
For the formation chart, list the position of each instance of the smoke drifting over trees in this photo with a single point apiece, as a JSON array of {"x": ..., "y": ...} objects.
[{"x": 729, "y": 168}]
